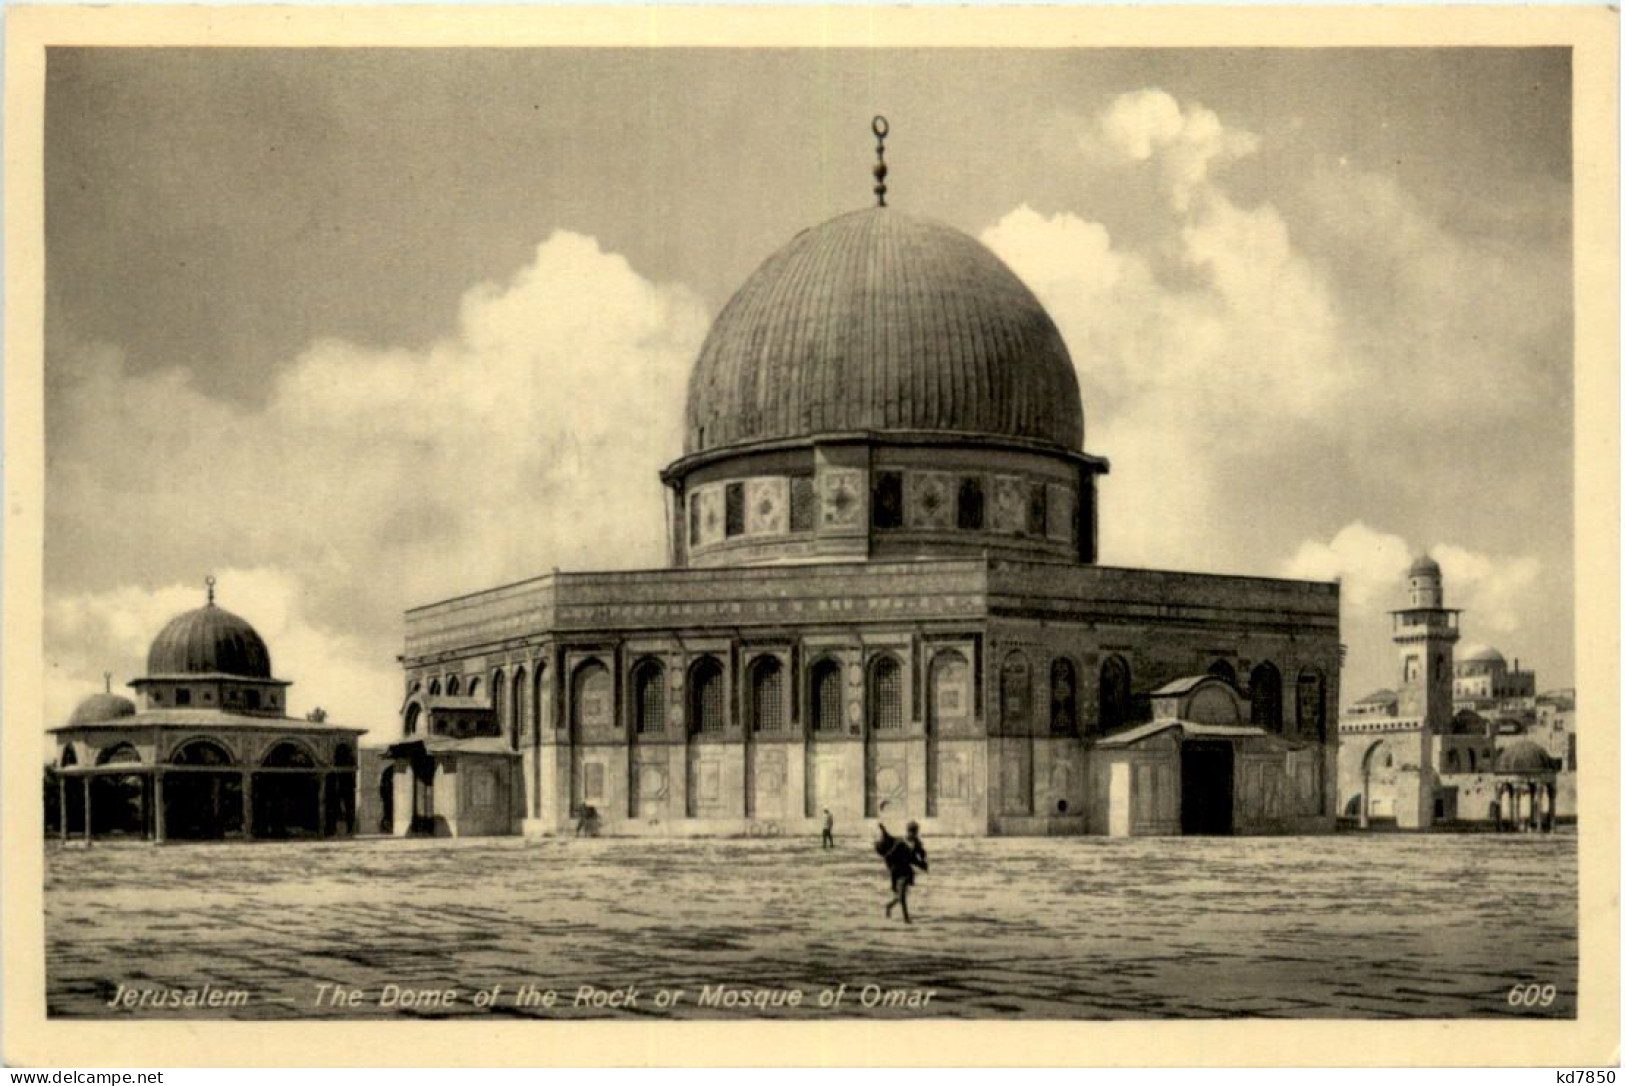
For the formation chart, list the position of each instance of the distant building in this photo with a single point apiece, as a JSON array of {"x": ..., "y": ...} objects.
[
  {"x": 211, "y": 754},
  {"x": 1463, "y": 740},
  {"x": 882, "y": 599}
]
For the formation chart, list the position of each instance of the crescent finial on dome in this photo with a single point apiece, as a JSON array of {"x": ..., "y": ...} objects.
[{"x": 209, "y": 581}]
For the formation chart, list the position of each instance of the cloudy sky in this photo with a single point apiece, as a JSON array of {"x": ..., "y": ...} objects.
[{"x": 356, "y": 330}]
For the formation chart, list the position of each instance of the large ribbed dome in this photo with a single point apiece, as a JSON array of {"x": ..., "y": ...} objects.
[
  {"x": 209, "y": 640},
  {"x": 879, "y": 321}
]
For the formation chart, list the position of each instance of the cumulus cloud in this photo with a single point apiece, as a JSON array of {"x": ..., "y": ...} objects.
[
  {"x": 1262, "y": 374},
  {"x": 1184, "y": 141},
  {"x": 373, "y": 479}
]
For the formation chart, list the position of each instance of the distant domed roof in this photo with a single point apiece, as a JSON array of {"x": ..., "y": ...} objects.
[
  {"x": 1525, "y": 757},
  {"x": 99, "y": 707},
  {"x": 209, "y": 640},
  {"x": 1480, "y": 654},
  {"x": 881, "y": 321},
  {"x": 1378, "y": 696},
  {"x": 1424, "y": 567}
]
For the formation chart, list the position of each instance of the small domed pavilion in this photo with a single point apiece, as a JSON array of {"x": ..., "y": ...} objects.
[{"x": 211, "y": 755}]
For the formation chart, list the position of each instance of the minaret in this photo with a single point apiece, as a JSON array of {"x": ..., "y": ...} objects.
[{"x": 1425, "y": 633}]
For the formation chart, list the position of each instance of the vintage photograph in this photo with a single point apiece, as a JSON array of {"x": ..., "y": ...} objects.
[{"x": 1004, "y": 534}]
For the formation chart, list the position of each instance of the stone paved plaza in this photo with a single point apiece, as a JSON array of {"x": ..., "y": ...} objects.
[{"x": 1345, "y": 926}]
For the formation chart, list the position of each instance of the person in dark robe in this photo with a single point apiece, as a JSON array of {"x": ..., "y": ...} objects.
[
  {"x": 901, "y": 858},
  {"x": 829, "y": 829}
]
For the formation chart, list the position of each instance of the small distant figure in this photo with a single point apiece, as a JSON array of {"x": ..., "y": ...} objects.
[
  {"x": 587, "y": 821},
  {"x": 901, "y": 858},
  {"x": 829, "y": 829}
]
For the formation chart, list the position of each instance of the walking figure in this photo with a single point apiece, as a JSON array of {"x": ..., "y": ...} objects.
[
  {"x": 829, "y": 829},
  {"x": 901, "y": 857}
]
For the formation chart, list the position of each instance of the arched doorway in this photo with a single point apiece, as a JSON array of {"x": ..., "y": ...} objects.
[
  {"x": 204, "y": 799},
  {"x": 118, "y": 802},
  {"x": 288, "y": 796},
  {"x": 1379, "y": 756}
]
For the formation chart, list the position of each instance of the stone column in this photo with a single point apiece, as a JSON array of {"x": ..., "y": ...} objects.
[
  {"x": 62, "y": 806},
  {"x": 157, "y": 807},
  {"x": 87, "y": 781},
  {"x": 321, "y": 805},
  {"x": 248, "y": 804}
]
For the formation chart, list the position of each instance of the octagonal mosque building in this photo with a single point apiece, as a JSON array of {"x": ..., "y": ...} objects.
[{"x": 882, "y": 601}]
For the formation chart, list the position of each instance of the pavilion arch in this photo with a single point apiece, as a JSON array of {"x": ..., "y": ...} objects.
[
  {"x": 764, "y": 678},
  {"x": 885, "y": 693},
  {"x": 434, "y": 688},
  {"x": 288, "y": 792},
  {"x": 474, "y": 687},
  {"x": 344, "y": 756},
  {"x": 202, "y": 751},
  {"x": 207, "y": 801},
  {"x": 707, "y": 697},
  {"x": 1116, "y": 684},
  {"x": 824, "y": 700},
  {"x": 1223, "y": 669},
  {"x": 649, "y": 696},
  {"x": 68, "y": 758},
  {"x": 453, "y": 685},
  {"x": 290, "y": 754},
  {"x": 1264, "y": 691},
  {"x": 119, "y": 754}
]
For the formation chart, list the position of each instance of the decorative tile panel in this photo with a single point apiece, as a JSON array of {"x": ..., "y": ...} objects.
[
  {"x": 767, "y": 506},
  {"x": 1009, "y": 504},
  {"x": 929, "y": 500}
]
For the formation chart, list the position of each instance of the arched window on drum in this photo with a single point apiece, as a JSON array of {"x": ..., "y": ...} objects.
[
  {"x": 707, "y": 700},
  {"x": 1115, "y": 685},
  {"x": 1063, "y": 697},
  {"x": 825, "y": 698},
  {"x": 649, "y": 697},
  {"x": 885, "y": 694}
]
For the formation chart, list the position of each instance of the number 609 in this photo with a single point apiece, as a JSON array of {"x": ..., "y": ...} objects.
[{"x": 1532, "y": 995}]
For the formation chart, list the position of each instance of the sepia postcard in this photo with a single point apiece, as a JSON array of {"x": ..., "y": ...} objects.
[{"x": 693, "y": 536}]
